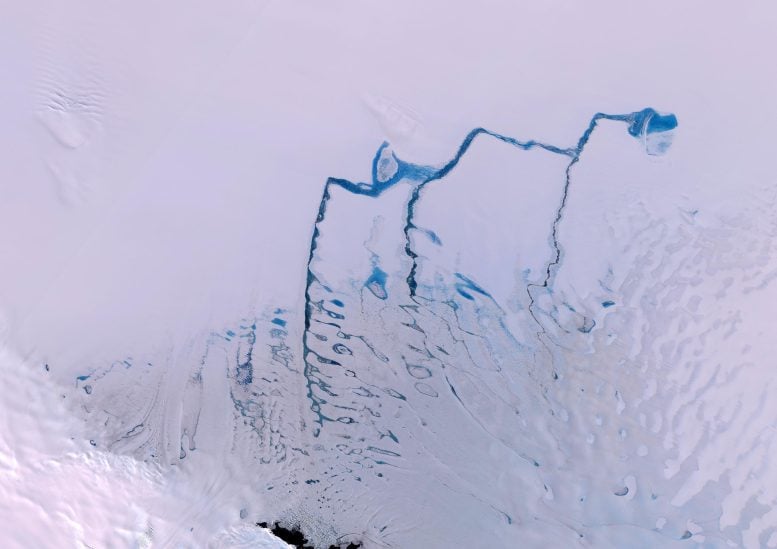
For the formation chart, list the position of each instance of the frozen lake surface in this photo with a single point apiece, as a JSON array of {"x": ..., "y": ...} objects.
[{"x": 438, "y": 275}]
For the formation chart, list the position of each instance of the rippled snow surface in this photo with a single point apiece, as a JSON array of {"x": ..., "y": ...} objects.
[{"x": 551, "y": 330}]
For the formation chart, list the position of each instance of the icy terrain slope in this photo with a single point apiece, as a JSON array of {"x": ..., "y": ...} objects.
[
  {"x": 410, "y": 275},
  {"x": 58, "y": 491}
]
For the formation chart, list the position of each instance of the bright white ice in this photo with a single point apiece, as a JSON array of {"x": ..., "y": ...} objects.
[{"x": 223, "y": 301}]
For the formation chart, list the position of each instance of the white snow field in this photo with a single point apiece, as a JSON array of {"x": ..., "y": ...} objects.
[{"x": 429, "y": 274}]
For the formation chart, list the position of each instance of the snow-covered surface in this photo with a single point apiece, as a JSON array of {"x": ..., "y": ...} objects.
[
  {"x": 223, "y": 301},
  {"x": 58, "y": 491}
]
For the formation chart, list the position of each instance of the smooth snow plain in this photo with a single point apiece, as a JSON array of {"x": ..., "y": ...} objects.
[{"x": 260, "y": 263}]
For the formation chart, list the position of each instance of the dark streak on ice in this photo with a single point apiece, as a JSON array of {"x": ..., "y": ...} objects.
[{"x": 293, "y": 536}]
